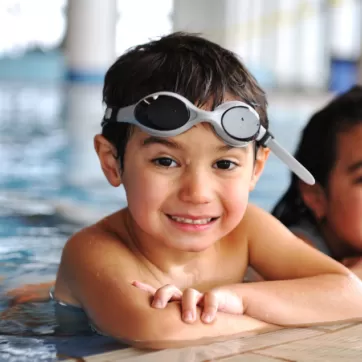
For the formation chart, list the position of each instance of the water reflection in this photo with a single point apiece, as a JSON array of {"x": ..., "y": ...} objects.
[{"x": 21, "y": 349}]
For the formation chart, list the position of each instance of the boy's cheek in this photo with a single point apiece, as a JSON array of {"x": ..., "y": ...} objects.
[
  {"x": 235, "y": 200},
  {"x": 148, "y": 194}
]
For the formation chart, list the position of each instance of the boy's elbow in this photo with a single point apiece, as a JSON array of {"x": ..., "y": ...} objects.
[
  {"x": 157, "y": 335},
  {"x": 354, "y": 284},
  {"x": 162, "y": 336},
  {"x": 161, "y": 330},
  {"x": 350, "y": 287},
  {"x": 154, "y": 330}
]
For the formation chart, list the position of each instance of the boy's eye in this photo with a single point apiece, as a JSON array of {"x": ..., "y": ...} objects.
[
  {"x": 225, "y": 165},
  {"x": 165, "y": 162}
]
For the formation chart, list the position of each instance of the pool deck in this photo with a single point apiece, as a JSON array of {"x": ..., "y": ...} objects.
[{"x": 340, "y": 342}]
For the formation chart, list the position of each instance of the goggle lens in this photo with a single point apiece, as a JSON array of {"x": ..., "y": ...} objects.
[
  {"x": 240, "y": 123},
  {"x": 163, "y": 113}
]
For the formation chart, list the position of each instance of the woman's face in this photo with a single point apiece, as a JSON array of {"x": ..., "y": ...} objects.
[{"x": 343, "y": 199}]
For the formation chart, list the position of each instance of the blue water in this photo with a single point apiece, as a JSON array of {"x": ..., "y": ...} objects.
[{"x": 51, "y": 185}]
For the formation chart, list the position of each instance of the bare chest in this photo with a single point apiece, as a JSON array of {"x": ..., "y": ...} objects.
[{"x": 223, "y": 269}]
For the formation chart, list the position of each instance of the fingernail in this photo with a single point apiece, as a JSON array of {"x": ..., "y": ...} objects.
[
  {"x": 188, "y": 316},
  {"x": 206, "y": 318},
  {"x": 157, "y": 303}
]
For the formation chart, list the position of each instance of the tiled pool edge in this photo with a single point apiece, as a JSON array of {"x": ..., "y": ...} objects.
[{"x": 330, "y": 343}]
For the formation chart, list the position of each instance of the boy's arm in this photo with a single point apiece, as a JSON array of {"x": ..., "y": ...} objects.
[
  {"x": 99, "y": 273},
  {"x": 302, "y": 302},
  {"x": 303, "y": 286},
  {"x": 177, "y": 334}
]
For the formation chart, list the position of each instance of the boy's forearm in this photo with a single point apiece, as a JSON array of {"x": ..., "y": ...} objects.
[
  {"x": 303, "y": 302},
  {"x": 176, "y": 334}
]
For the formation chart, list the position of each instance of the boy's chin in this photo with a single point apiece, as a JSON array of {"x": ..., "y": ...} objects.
[{"x": 191, "y": 246}]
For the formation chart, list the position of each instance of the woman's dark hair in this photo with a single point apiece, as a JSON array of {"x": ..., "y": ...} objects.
[
  {"x": 183, "y": 63},
  {"x": 317, "y": 151}
]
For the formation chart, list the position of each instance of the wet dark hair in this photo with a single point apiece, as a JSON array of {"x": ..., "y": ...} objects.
[
  {"x": 317, "y": 151},
  {"x": 187, "y": 64}
]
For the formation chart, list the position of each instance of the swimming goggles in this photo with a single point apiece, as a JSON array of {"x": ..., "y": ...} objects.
[{"x": 168, "y": 114}]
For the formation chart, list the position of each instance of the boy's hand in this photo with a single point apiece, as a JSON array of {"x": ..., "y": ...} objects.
[{"x": 211, "y": 302}]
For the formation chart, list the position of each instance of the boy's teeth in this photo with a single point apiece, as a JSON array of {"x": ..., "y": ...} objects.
[{"x": 191, "y": 221}]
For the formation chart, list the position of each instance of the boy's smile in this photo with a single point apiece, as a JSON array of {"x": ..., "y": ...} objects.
[{"x": 192, "y": 223}]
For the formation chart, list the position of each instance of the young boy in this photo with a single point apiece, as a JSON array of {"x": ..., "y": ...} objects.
[{"x": 167, "y": 270}]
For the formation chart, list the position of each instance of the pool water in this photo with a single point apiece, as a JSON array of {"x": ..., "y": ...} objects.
[{"x": 51, "y": 186}]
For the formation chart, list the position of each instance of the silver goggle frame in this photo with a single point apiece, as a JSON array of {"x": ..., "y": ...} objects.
[{"x": 224, "y": 120}]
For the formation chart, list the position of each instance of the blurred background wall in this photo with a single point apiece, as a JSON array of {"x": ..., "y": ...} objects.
[{"x": 293, "y": 44}]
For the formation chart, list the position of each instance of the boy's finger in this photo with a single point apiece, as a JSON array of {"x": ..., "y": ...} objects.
[
  {"x": 190, "y": 299},
  {"x": 229, "y": 302},
  {"x": 165, "y": 294},
  {"x": 146, "y": 287},
  {"x": 211, "y": 304}
]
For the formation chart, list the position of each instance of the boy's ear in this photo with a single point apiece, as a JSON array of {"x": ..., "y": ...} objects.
[
  {"x": 107, "y": 155},
  {"x": 314, "y": 197},
  {"x": 262, "y": 155}
]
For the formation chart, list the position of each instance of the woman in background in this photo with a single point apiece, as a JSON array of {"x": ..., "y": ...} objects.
[{"x": 328, "y": 215}]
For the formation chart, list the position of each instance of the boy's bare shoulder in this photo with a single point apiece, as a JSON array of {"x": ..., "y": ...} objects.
[
  {"x": 258, "y": 224},
  {"x": 89, "y": 238},
  {"x": 253, "y": 217},
  {"x": 238, "y": 239},
  {"x": 96, "y": 244},
  {"x": 253, "y": 210},
  {"x": 94, "y": 235}
]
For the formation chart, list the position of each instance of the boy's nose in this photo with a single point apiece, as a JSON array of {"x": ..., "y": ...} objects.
[{"x": 196, "y": 188}]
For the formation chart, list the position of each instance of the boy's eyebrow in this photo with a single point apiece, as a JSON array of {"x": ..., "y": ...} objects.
[
  {"x": 225, "y": 148},
  {"x": 160, "y": 140},
  {"x": 172, "y": 144},
  {"x": 354, "y": 166}
]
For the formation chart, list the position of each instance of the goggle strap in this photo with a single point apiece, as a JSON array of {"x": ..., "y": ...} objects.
[
  {"x": 265, "y": 139},
  {"x": 110, "y": 115}
]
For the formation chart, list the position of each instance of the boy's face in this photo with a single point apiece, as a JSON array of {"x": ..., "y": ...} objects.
[{"x": 187, "y": 192}]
